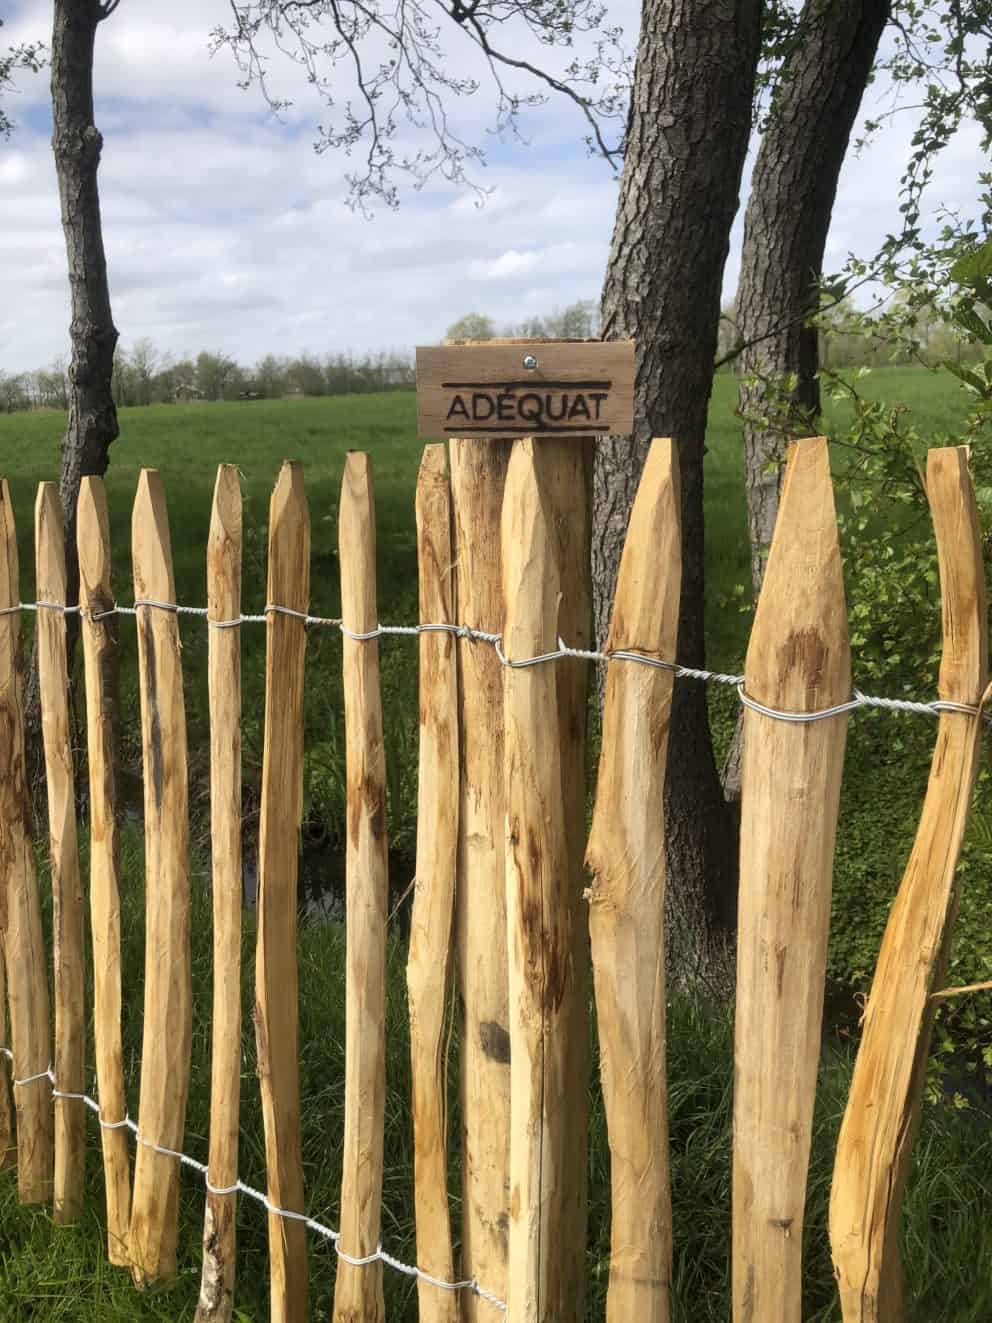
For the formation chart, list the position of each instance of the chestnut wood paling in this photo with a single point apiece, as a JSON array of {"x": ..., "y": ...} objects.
[
  {"x": 24, "y": 946},
  {"x": 358, "y": 1290},
  {"x": 537, "y": 882},
  {"x": 8, "y": 1137},
  {"x": 276, "y": 976},
  {"x": 216, "y": 1301},
  {"x": 478, "y": 474},
  {"x": 882, "y": 1116},
  {"x": 100, "y": 662},
  {"x": 567, "y": 468},
  {"x": 626, "y": 855},
  {"x": 67, "y": 889},
  {"x": 798, "y": 660},
  {"x": 432, "y": 920},
  {"x": 166, "y": 1038}
]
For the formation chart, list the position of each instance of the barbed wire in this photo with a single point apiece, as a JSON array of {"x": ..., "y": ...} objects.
[{"x": 858, "y": 699}]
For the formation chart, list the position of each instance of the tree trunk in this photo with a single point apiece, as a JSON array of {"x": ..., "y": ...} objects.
[
  {"x": 785, "y": 233},
  {"x": 687, "y": 137},
  {"x": 92, "y": 421}
]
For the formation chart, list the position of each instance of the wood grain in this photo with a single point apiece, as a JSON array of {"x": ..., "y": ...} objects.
[
  {"x": 67, "y": 887},
  {"x": 100, "y": 659},
  {"x": 167, "y": 1021},
  {"x": 429, "y": 968},
  {"x": 626, "y": 855},
  {"x": 798, "y": 660},
  {"x": 358, "y": 1291},
  {"x": 478, "y": 474},
  {"x": 880, "y": 1123},
  {"x": 216, "y": 1302},
  {"x": 537, "y": 885},
  {"x": 20, "y": 909},
  {"x": 276, "y": 976}
]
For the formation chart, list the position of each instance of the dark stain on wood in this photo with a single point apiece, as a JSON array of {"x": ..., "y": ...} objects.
[
  {"x": 154, "y": 716},
  {"x": 495, "y": 1041},
  {"x": 806, "y": 653}
]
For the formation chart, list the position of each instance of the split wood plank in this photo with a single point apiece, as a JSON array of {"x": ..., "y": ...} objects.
[
  {"x": 8, "y": 1137},
  {"x": 880, "y": 1123},
  {"x": 224, "y": 546},
  {"x": 537, "y": 878},
  {"x": 432, "y": 923},
  {"x": 167, "y": 1020},
  {"x": 67, "y": 888},
  {"x": 276, "y": 974},
  {"x": 358, "y": 1290},
  {"x": 798, "y": 660},
  {"x": 478, "y": 475},
  {"x": 100, "y": 659},
  {"x": 626, "y": 855},
  {"x": 20, "y": 909}
]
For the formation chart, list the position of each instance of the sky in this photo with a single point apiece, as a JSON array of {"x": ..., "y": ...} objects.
[{"x": 225, "y": 230}]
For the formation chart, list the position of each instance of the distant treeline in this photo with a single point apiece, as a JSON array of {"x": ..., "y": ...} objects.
[{"x": 142, "y": 375}]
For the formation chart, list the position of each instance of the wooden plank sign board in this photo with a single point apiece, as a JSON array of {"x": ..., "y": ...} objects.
[{"x": 530, "y": 388}]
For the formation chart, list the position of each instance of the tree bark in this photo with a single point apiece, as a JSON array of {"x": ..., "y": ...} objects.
[
  {"x": 785, "y": 233},
  {"x": 92, "y": 421},
  {"x": 687, "y": 137}
]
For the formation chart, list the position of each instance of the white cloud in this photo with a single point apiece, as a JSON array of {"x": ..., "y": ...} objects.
[{"x": 224, "y": 229}]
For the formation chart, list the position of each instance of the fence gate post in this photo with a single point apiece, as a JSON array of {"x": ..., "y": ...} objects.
[
  {"x": 20, "y": 909},
  {"x": 798, "y": 660},
  {"x": 358, "y": 1290},
  {"x": 67, "y": 887},
  {"x": 99, "y": 637},
  {"x": 277, "y": 1016},
  {"x": 167, "y": 1024},
  {"x": 626, "y": 855},
  {"x": 880, "y": 1122},
  {"x": 478, "y": 474},
  {"x": 216, "y": 1300},
  {"x": 539, "y": 913},
  {"x": 429, "y": 965}
]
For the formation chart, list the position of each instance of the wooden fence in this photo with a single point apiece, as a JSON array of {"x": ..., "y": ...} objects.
[{"x": 502, "y": 897}]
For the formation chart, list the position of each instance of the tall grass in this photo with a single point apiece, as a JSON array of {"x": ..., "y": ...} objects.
[{"x": 55, "y": 1273}]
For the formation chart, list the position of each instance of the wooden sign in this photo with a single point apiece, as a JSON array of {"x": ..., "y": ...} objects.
[{"x": 527, "y": 388}]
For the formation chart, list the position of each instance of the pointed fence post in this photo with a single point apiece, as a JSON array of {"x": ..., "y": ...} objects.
[
  {"x": 882, "y": 1116},
  {"x": 626, "y": 855},
  {"x": 537, "y": 888},
  {"x": 100, "y": 659},
  {"x": 432, "y": 924},
  {"x": 167, "y": 1021},
  {"x": 20, "y": 909},
  {"x": 478, "y": 474},
  {"x": 216, "y": 1303},
  {"x": 277, "y": 1026},
  {"x": 358, "y": 1290},
  {"x": 567, "y": 463},
  {"x": 67, "y": 888},
  {"x": 798, "y": 660}
]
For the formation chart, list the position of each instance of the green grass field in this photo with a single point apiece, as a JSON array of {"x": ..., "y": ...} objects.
[{"x": 52, "y": 1273}]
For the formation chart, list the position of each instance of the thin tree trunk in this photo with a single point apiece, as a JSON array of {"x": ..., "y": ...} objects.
[
  {"x": 687, "y": 137},
  {"x": 76, "y": 143},
  {"x": 785, "y": 233}
]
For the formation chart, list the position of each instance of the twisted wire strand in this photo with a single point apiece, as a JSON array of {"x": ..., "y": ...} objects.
[
  {"x": 242, "y": 1187},
  {"x": 562, "y": 651}
]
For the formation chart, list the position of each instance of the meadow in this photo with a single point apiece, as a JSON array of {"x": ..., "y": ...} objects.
[{"x": 54, "y": 1273}]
